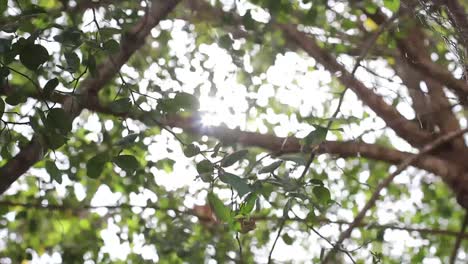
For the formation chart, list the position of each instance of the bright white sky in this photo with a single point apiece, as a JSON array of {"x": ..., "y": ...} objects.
[{"x": 299, "y": 87}]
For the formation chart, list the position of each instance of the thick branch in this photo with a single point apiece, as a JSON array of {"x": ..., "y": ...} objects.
[
  {"x": 274, "y": 144},
  {"x": 436, "y": 105},
  {"x": 403, "y": 127},
  {"x": 420, "y": 102},
  {"x": 425, "y": 65},
  {"x": 460, "y": 17}
]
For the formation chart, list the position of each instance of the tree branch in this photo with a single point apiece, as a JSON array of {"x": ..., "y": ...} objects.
[
  {"x": 130, "y": 43},
  {"x": 444, "y": 168},
  {"x": 460, "y": 18},
  {"x": 375, "y": 195},
  {"x": 453, "y": 257},
  {"x": 403, "y": 127},
  {"x": 257, "y": 218},
  {"x": 425, "y": 65}
]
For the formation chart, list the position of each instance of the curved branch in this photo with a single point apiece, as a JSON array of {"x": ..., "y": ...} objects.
[
  {"x": 420, "y": 101},
  {"x": 274, "y": 144},
  {"x": 460, "y": 18},
  {"x": 426, "y": 65},
  {"x": 403, "y": 127}
]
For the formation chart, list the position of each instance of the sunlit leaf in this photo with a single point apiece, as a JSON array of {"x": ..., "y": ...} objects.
[
  {"x": 249, "y": 203},
  {"x": 322, "y": 194},
  {"x": 221, "y": 211},
  {"x": 392, "y": 5}
]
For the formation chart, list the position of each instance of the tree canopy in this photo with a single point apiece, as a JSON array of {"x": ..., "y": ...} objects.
[{"x": 234, "y": 131}]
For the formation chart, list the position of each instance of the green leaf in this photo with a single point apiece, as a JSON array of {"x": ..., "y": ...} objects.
[
  {"x": 236, "y": 182},
  {"x": 91, "y": 63},
  {"x": 316, "y": 137},
  {"x": 322, "y": 194},
  {"x": 311, "y": 218},
  {"x": 392, "y": 5},
  {"x": 370, "y": 7},
  {"x": 15, "y": 99},
  {"x": 50, "y": 86},
  {"x": 70, "y": 36},
  {"x": 287, "y": 207},
  {"x": 248, "y": 21},
  {"x": 296, "y": 158},
  {"x": 221, "y": 211},
  {"x": 316, "y": 182},
  {"x": 73, "y": 61},
  {"x": 186, "y": 101},
  {"x": 2, "y": 107},
  {"x": 287, "y": 239},
  {"x": 248, "y": 205},
  {"x": 270, "y": 168},
  {"x": 3, "y": 6},
  {"x": 5, "y": 44},
  {"x": 4, "y": 72},
  {"x": 53, "y": 171},
  {"x": 165, "y": 164},
  {"x": 107, "y": 32},
  {"x": 95, "y": 165},
  {"x": 205, "y": 166},
  {"x": 54, "y": 140},
  {"x": 191, "y": 150},
  {"x": 33, "y": 55},
  {"x": 59, "y": 119},
  {"x": 225, "y": 42},
  {"x": 232, "y": 158},
  {"x": 127, "y": 162},
  {"x": 206, "y": 177},
  {"x": 127, "y": 140},
  {"x": 121, "y": 105},
  {"x": 111, "y": 46}
]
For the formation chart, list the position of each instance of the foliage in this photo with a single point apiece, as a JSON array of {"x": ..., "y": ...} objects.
[{"x": 227, "y": 132}]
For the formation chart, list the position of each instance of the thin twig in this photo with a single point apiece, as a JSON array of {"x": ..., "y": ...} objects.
[
  {"x": 241, "y": 258},
  {"x": 365, "y": 50},
  {"x": 52, "y": 207},
  {"x": 453, "y": 257},
  {"x": 283, "y": 221},
  {"x": 375, "y": 195}
]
